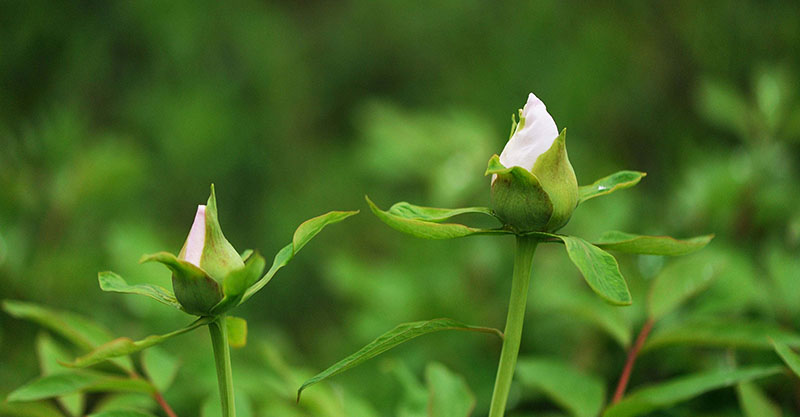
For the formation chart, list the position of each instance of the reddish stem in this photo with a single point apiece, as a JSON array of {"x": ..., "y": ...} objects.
[
  {"x": 158, "y": 397},
  {"x": 632, "y": 354}
]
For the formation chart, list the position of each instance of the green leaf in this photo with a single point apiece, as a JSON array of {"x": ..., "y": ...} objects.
[
  {"x": 50, "y": 355},
  {"x": 238, "y": 281},
  {"x": 302, "y": 235},
  {"x": 237, "y": 331},
  {"x": 160, "y": 367},
  {"x": 788, "y": 356},
  {"x": 74, "y": 381},
  {"x": 37, "y": 409},
  {"x": 449, "y": 394},
  {"x": 754, "y": 403},
  {"x": 599, "y": 269},
  {"x": 78, "y": 330},
  {"x": 111, "y": 282},
  {"x": 434, "y": 214},
  {"x": 580, "y": 394},
  {"x": 122, "y": 413},
  {"x": 126, "y": 346},
  {"x": 609, "y": 184},
  {"x": 722, "y": 334},
  {"x": 669, "y": 393},
  {"x": 681, "y": 280},
  {"x": 651, "y": 245},
  {"x": 589, "y": 308},
  {"x": 415, "y": 221},
  {"x": 400, "y": 334}
]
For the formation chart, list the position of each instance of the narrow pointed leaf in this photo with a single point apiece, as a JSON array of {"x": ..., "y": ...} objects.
[
  {"x": 754, "y": 403},
  {"x": 599, "y": 269},
  {"x": 609, "y": 184},
  {"x": 791, "y": 358},
  {"x": 667, "y": 394},
  {"x": 681, "y": 280},
  {"x": 722, "y": 334},
  {"x": 400, "y": 334},
  {"x": 111, "y": 282},
  {"x": 74, "y": 381},
  {"x": 238, "y": 281},
  {"x": 434, "y": 214},
  {"x": 126, "y": 346},
  {"x": 80, "y": 331},
  {"x": 651, "y": 245},
  {"x": 302, "y": 235},
  {"x": 574, "y": 391},
  {"x": 237, "y": 331},
  {"x": 449, "y": 394},
  {"x": 409, "y": 222}
]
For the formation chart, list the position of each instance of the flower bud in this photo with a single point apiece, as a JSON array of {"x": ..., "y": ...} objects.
[{"x": 534, "y": 188}]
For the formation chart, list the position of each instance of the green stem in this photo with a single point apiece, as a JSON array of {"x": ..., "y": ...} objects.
[
  {"x": 222, "y": 358},
  {"x": 526, "y": 246}
]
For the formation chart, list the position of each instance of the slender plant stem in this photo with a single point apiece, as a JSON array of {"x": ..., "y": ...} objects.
[
  {"x": 156, "y": 395},
  {"x": 632, "y": 355},
  {"x": 222, "y": 358},
  {"x": 523, "y": 259}
]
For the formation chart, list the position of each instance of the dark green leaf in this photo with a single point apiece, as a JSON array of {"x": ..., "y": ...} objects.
[
  {"x": 78, "y": 330},
  {"x": 50, "y": 355},
  {"x": 74, "y": 381},
  {"x": 587, "y": 307},
  {"x": 400, "y": 334},
  {"x": 112, "y": 282},
  {"x": 609, "y": 184},
  {"x": 651, "y": 245},
  {"x": 722, "y": 334},
  {"x": 416, "y": 223},
  {"x": 669, "y": 393},
  {"x": 681, "y": 280},
  {"x": 449, "y": 394},
  {"x": 304, "y": 233},
  {"x": 237, "y": 331},
  {"x": 160, "y": 367},
  {"x": 754, "y": 403},
  {"x": 580, "y": 394},
  {"x": 599, "y": 269},
  {"x": 791, "y": 358},
  {"x": 126, "y": 346}
]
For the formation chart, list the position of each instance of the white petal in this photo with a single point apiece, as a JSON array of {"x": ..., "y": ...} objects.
[
  {"x": 535, "y": 138},
  {"x": 197, "y": 238}
]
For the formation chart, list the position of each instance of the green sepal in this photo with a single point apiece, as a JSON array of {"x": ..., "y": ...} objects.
[
  {"x": 426, "y": 222},
  {"x": 238, "y": 281},
  {"x": 195, "y": 290},
  {"x": 557, "y": 177},
  {"x": 607, "y": 185},
  {"x": 518, "y": 197},
  {"x": 219, "y": 257}
]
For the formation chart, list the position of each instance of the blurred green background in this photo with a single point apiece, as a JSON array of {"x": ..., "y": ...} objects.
[{"x": 116, "y": 116}]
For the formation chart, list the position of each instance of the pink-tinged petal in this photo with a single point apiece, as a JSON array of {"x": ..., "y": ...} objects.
[
  {"x": 193, "y": 248},
  {"x": 534, "y": 138}
]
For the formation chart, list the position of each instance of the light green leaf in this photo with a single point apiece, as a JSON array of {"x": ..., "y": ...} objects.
[
  {"x": 122, "y": 413},
  {"x": 74, "y": 381},
  {"x": 237, "y": 331},
  {"x": 789, "y": 357},
  {"x": 111, "y": 282},
  {"x": 754, "y": 403},
  {"x": 599, "y": 269},
  {"x": 50, "y": 354},
  {"x": 78, "y": 330},
  {"x": 722, "y": 334},
  {"x": 589, "y": 308},
  {"x": 160, "y": 367},
  {"x": 449, "y": 394},
  {"x": 669, "y": 393},
  {"x": 679, "y": 281},
  {"x": 651, "y": 245},
  {"x": 609, "y": 184},
  {"x": 400, "y": 334},
  {"x": 424, "y": 222},
  {"x": 580, "y": 394},
  {"x": 302, "y": 235},
  {"x": 126, "y": 346},
  {"x": 37, "y": 409}
]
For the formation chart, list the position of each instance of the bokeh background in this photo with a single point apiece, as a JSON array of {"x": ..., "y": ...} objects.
[{"x": 116, "y": 116}]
